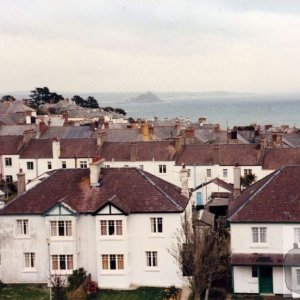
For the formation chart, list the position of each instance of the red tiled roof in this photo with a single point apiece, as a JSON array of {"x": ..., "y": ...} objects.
[
  {"x": 42, "y": 148},
  {"x": 195, "y": 154},
  {"x": 130, "y": 189},
  {"x": 243, "y": 154},
  {"x": 145, "y": 151},
  {"x": 10, "y": 144},
  {"x": 275, "y": 158},
  {"x": 37, "y": 149},
  {"x": 275, "y": 198},
  {"x": 80, "y": 147}
]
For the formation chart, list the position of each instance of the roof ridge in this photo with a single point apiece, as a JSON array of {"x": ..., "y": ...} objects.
[
  {"x": 275, "y": 174},
  {"x": 159, "y": 189}
]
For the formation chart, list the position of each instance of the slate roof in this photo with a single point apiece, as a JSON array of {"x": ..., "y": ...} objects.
[
  {"x": 14, "y": 107},
  {"x": 123, "y": 135},
  {"x": 145, "y": 151},
  {"x": 10, "y": 145},
  {"x": 278, "y": 157},
  {"x": 129, "y": 189},
  {"x": 274, "y": 198},
  {"x": 66, "y": 132},
  {"x": 69, "y": 148},
  {"x": 229, "y": 155},
  {"x": 16, "y": 129}
]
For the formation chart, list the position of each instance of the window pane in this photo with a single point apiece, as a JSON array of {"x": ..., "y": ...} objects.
[
  {"x": 62, "y": 262},
  {"x": 27, "y": 264},
  {"x": 70, "y": 262},
  {"x": 120, "y": 262},
  {"x": 111, "y": 227},
  {"x": 159, "y": 225},
  {"x": 68, "y": 228},
  {"x": 255, "y": 234},
  {"x": 105, "y": 262},
  {"x": 148, "y": 258},
  {"x": 298, "y": 276},
  {"x": 53, "y": 228},
  {"x": 54, "y": 262},
  {"x": 154, "y": 259},
  {"x": 153, "y": 224},
  {"x": 112, "y": 262},
  {"x": 119, "y": 227},
  {"x": 61, "y": 228},
  {"x": 263, "y": 238},
  {"x": 103, "y": 228}
]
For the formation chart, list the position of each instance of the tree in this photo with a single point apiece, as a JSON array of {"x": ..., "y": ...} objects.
[
  {"x": 8, "y": 98},
  {"x": 90, "y": 102},
  {"x": 202, "y": 253},
  {"x": 247, "y": 180},
  {"x": 41, "y": 96},
  {"x": 120, "y": 111}
]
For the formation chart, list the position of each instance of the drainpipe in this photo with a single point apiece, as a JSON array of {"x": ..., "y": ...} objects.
[
  {"x": 36, "y": 166},
  {"x": 195, "y": 181}
]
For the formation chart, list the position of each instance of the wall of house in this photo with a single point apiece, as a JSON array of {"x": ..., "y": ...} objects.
[
  {"x": 10, "y": 170},
  {"x": 243, "y": 282},
  {"x": 13, "y": 248}
]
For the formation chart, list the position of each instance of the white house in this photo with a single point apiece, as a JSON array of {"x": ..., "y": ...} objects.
[
  {"x": 265, "y": 227},
  {"x": 116, "y": 223}
]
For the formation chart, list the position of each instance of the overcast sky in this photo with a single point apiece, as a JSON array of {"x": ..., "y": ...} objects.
[{"x": 176, "y": 45}]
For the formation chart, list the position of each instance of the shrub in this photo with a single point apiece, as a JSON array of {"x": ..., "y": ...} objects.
[
  {"x": 170, "y": 293},
  {"x": 217, "y": 294},
  {"x": 76, "y": 279}
]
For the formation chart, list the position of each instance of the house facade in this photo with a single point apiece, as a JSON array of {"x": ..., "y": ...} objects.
[
  {"x": 118, "y": 224},
  {"x": 265, "y": 235}
]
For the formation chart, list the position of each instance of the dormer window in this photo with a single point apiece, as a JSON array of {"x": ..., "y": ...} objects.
[{"x": 61, "y": 228}]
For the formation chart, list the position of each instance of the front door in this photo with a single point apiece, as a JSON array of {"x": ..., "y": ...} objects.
[{"x": 265, "y": 280}]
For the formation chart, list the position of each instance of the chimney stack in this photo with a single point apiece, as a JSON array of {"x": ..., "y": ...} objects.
[
  {"x": 236, "y": 181},
  {"x": 56, "y": 147},
  {"x": 189, "y": 135},
  {"x": 184, "y": 175},
  {"x": 21, "y": 182},
  {"x": 100, "y": 138},
  {"x": 216, "y": 154},
  {"x": 133, "y": 151},
  {"x": 42, "y": 126},
  {"x": 28, "y": 135},
  {"x": 178, "y": 143},
  {"x": 95, "y": 169},
  {"x": 151, "y": 130}
]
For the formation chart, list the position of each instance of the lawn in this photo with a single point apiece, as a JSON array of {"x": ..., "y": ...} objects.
[
  {"x": 143, "y": 293},
  {"x": 23, "y": 292}
]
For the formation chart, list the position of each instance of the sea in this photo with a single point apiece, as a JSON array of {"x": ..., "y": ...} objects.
[{"x": 227, "y": 110}]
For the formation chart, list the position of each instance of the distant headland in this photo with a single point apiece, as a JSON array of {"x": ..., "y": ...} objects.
[{"x": 148, "y": 97}]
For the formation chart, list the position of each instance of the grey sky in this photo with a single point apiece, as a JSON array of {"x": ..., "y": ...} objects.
[{"x": 176, "y": 45}]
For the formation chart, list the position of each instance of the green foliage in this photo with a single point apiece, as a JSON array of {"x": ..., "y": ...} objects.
[
  {"x": 41, "y": 96},
  {"x": 8, "y": 98},
  {"x": 76, "y": 279},
  {"x": 217, "y": 294},
  {"x": 90, "y": 102},
  {"x": 247, "y": 180},
  {"x": 23, "y": 292},
  {"x": 120, "y": 111},
  {"x": 58, "y": 288}
]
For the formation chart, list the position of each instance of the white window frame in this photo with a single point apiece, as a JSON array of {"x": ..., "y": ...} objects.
[
  {"x": 156, "y": 225},
  {"x": 151, "y": 259},
  {"x": 112, "y": 262},
  {"x": 30, "y": 165},
  {"x": 111, "y": 228},
  {"x": 63, "y": 164},
  {"x": 61, "y": 228},
  {"x": 29, "y": 260},
  {"x": 259, "y": 235},
  {"x": 162, "y": 169},
  {"x": 208, "y": 173},
  {"x": 225, "y": 173},
  {"x": 8, "y": 161},
  {"x": 297, "y": 273},
  {"x": 22, "y": 228},
  {"x": 60, "y": 259},
  {"x": 49, "y": 165},
  {"x": 247, "y": 172},
  {"x": 83, "y": 164}
]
